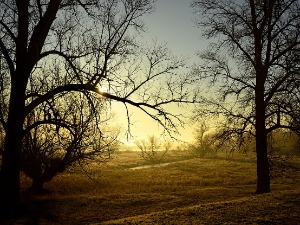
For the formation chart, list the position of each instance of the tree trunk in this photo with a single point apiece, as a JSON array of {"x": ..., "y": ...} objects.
[
  {"x": 10, "y": 180},
  {"x": 10, "y": 199},
  {"x": 263, "y": 170},
  {"x": 10, "y": 174},
  {"x": 37, "y": 187}
]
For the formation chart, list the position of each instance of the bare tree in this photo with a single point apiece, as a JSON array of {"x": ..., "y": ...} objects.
[
  {"x": 53, "y": 47},
  {"x": 252, "y": 69},
  {"x": 49, "y": 149},
  {"x": 204, "y": 142},
  {"x": 153, "y": 149}
]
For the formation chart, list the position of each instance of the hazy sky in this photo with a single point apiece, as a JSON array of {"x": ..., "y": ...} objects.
[{"x": 171, "y": 23}]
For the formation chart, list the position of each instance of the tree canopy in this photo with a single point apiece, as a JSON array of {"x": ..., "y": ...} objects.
[
  {"x": 53, "y": 48},
  {"x": 252, "y": 67}
]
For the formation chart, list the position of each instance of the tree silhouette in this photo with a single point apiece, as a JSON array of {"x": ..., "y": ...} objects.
[
  {"x": 50, "y": 48},
  {"x": 204, "y": 142},
  {"x": 152, "y": 149},
  {"x": 253, "y": 67},
  {"x": 50, "y": 148}
]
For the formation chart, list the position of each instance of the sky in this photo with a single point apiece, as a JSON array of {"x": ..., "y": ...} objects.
[{"x": 170, "y": 23}]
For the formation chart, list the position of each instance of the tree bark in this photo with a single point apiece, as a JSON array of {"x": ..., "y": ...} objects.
[
  {"x": 10, "y": 171},
  {"x": 10, "y": 199},
  {"x": 37, "y": 187},
  {"x": 263, "y": 170}
]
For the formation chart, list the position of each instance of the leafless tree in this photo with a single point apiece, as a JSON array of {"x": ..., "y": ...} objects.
[
  {"x": 252, "y": 68},
  {"x": 153, "y": 149},
  {"x": 81, "y": 135},
  {"x": 204, "y": 142},
  {"x": 50, "y": 48}
]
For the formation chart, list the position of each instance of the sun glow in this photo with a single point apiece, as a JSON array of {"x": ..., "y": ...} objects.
[{"x": 102, "y": 89}]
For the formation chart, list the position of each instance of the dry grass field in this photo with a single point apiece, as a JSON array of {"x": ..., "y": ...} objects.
[{"x": 188, "y": 190}]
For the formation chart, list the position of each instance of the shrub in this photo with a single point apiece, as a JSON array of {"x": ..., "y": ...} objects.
[{"x": 152, "y": 149}]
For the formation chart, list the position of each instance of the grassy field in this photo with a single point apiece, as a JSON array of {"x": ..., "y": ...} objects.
[{"x": 188, "y": 190}]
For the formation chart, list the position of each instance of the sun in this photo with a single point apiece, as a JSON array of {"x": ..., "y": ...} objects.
[{"x": 102, "y": 89}]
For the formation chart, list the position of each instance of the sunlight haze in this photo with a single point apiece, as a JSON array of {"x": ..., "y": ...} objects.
[{"x": 170, "y": 23}]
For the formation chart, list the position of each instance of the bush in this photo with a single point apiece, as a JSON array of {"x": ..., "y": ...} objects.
[
  {"x": 152, "y": 149},
  {"x": 204, "y": 144}
]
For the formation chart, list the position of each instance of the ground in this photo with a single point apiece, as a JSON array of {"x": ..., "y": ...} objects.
[{"x": 215, "y": 190}]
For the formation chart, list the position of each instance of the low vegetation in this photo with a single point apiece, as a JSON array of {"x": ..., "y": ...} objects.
[
  {"x": 152, "y": 149},
  {"x": 186, "y": 190}
]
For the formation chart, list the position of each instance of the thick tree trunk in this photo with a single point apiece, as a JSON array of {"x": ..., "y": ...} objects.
[
  {"x": 10, "y": 181},
  {"x": 10, "y": 174},
  {"x": 37, "y": 187},
  {"x": 27, "y": 53},
  {"x": 10, "y": 200},
  {"x": 263, "y": 170}
]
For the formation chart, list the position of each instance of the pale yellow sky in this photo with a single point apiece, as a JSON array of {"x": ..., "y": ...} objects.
[
  {"x": 143, "y": 126},
  {"x": 171, "y": 23}
]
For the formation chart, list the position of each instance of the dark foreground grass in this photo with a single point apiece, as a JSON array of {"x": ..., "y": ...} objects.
[
  {"x": 187, "y": 191},
  {"x": 278, "y": 208}
]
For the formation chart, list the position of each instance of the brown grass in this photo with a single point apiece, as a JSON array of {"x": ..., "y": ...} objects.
[{"x": 188, "y": 191}]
